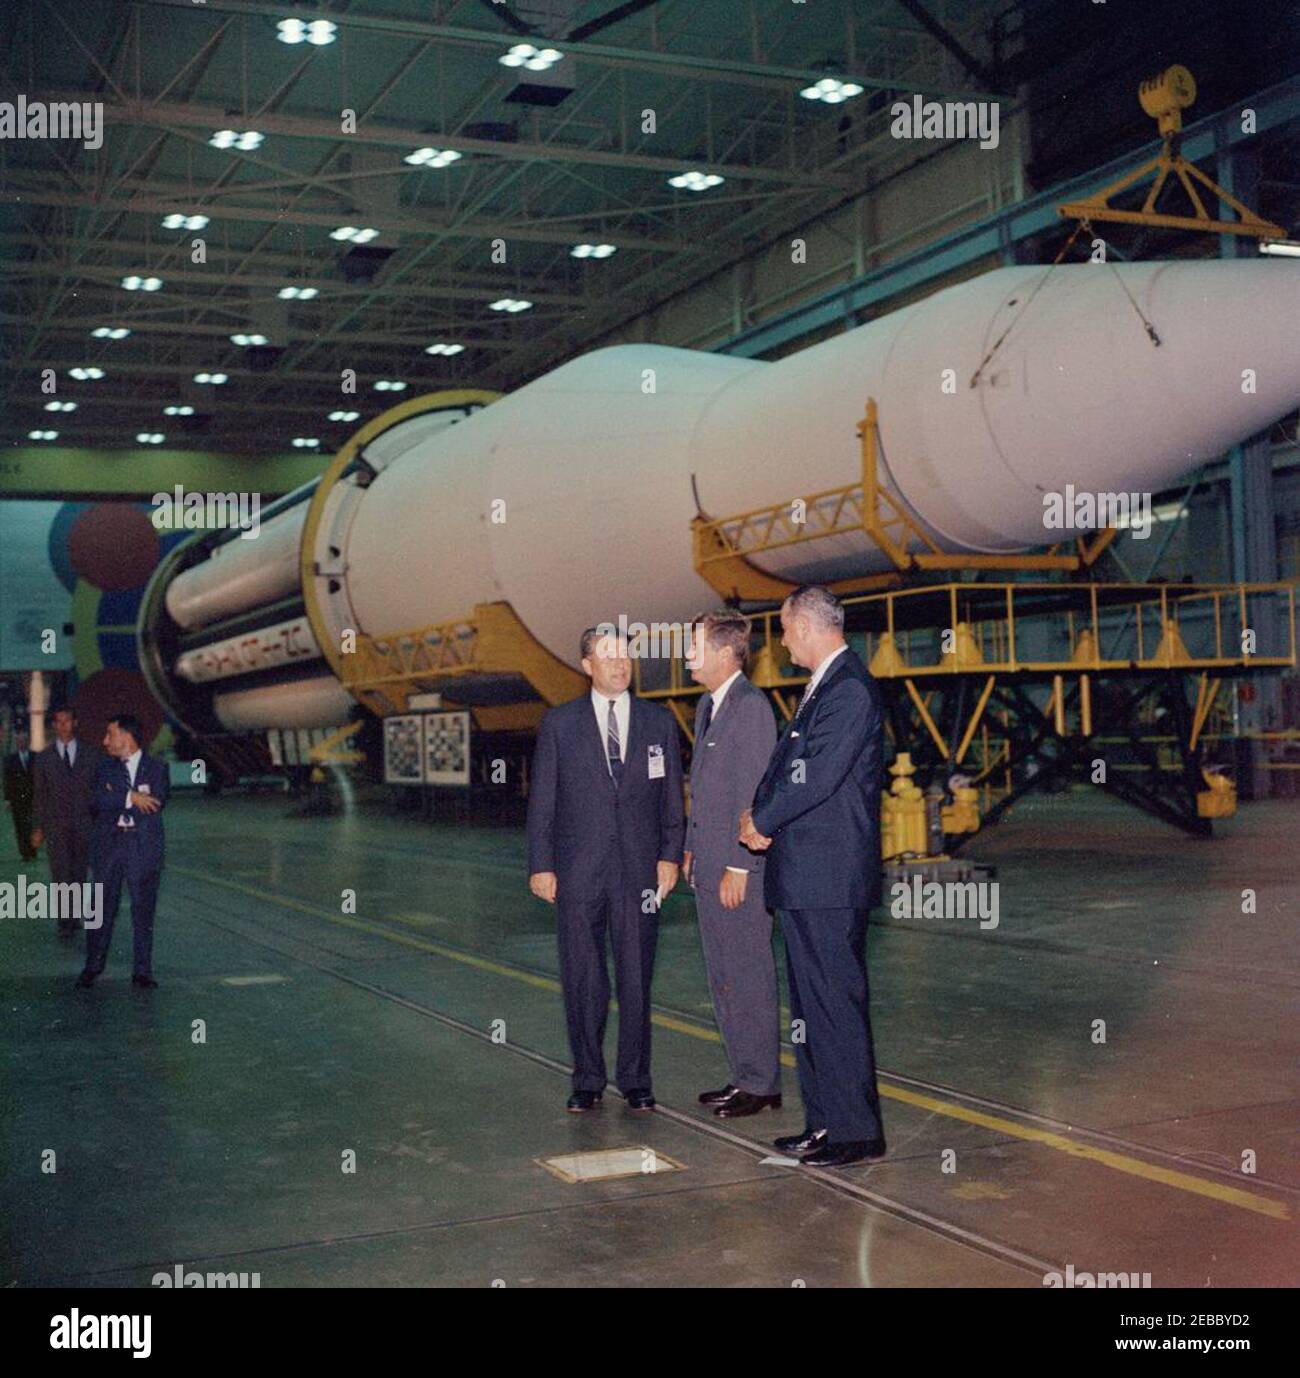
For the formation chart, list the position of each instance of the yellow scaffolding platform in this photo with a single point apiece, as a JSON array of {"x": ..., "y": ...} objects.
[{"x": 491, "y": 645}]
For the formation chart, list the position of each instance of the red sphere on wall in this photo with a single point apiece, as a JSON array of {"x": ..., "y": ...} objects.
[{"x": 113, "y": 546}]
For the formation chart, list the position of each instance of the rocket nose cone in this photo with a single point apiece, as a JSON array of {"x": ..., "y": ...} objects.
[{"x": 1119, "y": 378}]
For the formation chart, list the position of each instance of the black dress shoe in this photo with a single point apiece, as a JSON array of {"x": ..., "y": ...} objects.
[
  {"x": 797, "y": 1145},
  {"x": 717, "y": 1097},
  {"x": 640, "y": 1099},
  {"x": 743, "y": 1103},
  {"x": 86, "y": 980},
  {"x": 847, "y": 1153},
  {"x": 144, "y": 982},
  {"x": 582, "y": 1100}
]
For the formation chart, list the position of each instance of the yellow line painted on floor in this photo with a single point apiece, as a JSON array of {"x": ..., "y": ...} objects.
[{"x": 1120, "y": 1162}]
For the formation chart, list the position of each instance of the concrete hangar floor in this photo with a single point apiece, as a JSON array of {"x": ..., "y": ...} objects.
[{"x": 372, "y": 1033}]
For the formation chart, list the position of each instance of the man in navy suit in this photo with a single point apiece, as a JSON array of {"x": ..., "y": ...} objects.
[
  {"x": 19, "y": 791},
  {"x": 605, "y": 829},
  {"x": 816, "y": 813},
  {"x": 127, "y": 800}
]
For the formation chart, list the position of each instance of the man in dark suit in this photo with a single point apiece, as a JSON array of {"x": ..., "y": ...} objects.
[
  {"x": 127, "y": 799},
  {"x": 817, "y": 814},
  {"x": 734, "y": 736},
  {"x": 19, "y": 789},
  {"x": 64, "y": 774},
  {"x": 604, "y": 846}
]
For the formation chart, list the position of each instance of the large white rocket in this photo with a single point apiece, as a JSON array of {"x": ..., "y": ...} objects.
[{"x": 572, "y": 498}]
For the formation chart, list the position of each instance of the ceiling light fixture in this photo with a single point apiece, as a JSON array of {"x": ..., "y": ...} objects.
[
  {"x": 533, "y": 58},
  {"x": 316, "y": 31},
  {"x": 832, "y": 91},
  {"x": 695, "y": 180},
  {"x": 232, "y": 138},
  {"x": 432, "y": 157}
]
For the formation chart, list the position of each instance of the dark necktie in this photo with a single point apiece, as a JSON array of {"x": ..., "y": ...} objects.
[
  {"x": 67, "y": 757},
  {"x": 708, "y": 714},
  {"x": 612, "y": 744}
]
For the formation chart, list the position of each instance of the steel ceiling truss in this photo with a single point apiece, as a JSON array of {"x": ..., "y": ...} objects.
[{"x": 726, "y": 98}]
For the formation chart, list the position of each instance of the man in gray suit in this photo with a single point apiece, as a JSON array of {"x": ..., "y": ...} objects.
[
  {"x": 734, "y": 736},
  {"x": 64, "y": 773}
]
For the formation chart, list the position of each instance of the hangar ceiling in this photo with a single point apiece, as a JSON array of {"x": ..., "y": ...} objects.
[{"x": 580, "y": 153}]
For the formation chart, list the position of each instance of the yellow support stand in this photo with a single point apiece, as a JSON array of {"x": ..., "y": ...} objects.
[
  {"x": 724, "y": 547},
  {"x": 331, "y": 751},
  {"x": 902, "y": 812},
  {"x": 963, "y": 814},
  {"x": 384, "y": 671},
  {"x": 1218, "y": 799}
]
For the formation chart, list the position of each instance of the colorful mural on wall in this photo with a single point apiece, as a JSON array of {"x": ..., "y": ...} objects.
[{"x": 79, "y": 570}]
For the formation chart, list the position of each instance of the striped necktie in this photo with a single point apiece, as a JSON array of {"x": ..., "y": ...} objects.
[
  {"x": 612, "y": 746},
  {"x": 803, "y": 702}
]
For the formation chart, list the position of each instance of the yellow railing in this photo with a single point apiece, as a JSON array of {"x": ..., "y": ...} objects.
[{"x": 992, "y": 628}]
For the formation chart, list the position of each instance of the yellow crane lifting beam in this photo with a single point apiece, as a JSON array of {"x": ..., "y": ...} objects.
[{"x": 1164, "y": 98}]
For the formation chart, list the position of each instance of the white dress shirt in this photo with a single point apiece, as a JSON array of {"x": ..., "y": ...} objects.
[
  {"x": 720, "y": 693},
  {"x": 622, "y": 716},
  {"x": 68, "y": 751},
  {"x": 717, "y": 696},
  {"x": 132, "y": 765},
  {"x": 819, "y": 673}
]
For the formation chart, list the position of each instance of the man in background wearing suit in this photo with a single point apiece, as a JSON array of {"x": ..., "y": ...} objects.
[
  {"x": 19, "y": 790},
  {"x": 734, "y": 736},
  {"x": 604, "y": 846},
  {"x": 127, "y": 798},
  {"x": 817, "y": 813},
  {"x": 64, "y": 774}
]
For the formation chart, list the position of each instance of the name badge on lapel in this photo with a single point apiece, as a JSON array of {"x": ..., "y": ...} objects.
[{"x": 656, "y": 763}]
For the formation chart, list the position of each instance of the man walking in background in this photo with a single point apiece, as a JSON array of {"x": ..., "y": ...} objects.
[
  {"x": 127, "y": 798},
  {"x": 19, "y": 789},
  {"x": 64, "y": 774},
  {"x": 604, "y": 846},
  {"x": 734, "y": 736},
  {"x": 817, "y": 814}
]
